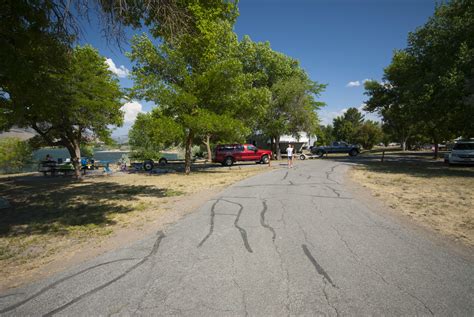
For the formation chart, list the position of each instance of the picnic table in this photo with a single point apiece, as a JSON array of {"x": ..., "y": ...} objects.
[{"x": 55, "y": 168}]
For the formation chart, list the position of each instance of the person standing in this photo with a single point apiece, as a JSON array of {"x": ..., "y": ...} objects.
[{"x": 289, "y": 152}]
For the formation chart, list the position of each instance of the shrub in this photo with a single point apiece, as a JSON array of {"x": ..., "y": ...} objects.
[{"x": 14, "y": 154}]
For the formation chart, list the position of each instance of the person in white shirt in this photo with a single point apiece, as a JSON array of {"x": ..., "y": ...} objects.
[{"x": 289, "y": 152}]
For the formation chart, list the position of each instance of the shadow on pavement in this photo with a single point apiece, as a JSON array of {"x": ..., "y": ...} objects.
[{"x": 415, "y": 165}]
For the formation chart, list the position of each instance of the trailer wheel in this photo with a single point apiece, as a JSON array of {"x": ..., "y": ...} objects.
[
  {"x": 302, "y": 157},
  {"x": 148, "y": 165},
  {"x": 163, "y": 161}
]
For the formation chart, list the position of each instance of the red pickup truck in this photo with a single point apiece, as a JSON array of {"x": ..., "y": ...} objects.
[{"x": 228, "y": 154}]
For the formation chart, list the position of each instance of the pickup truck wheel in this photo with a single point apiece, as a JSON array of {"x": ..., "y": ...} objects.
[
  {"x": 265, "y": 159},
  {"x": 163, "y": 161},
  {"x": 148, "y": 165},
  {"x": 320, "y": 153},
  {"x": 228, "y": 161},
  {"x": 302, "y": 157},
  {"x": 353, "y": 152}
]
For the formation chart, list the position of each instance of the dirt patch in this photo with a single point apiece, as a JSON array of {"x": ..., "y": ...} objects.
[
  {"x": 434, "y": 195},
  {"x": 54, "y": 223}
]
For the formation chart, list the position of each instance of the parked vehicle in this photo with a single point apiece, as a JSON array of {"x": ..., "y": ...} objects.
[
  {"x": 336, "y": 147},
  {"x": 166, "y": 157},
  {"x": 228, "y": 154},
  {"x": 462, "y": 153}
]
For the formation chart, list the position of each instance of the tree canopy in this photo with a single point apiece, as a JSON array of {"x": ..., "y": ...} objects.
[
  {"x": 77, "y": 106},
  {"x": 353, "y": 128},
  {"x": 197, "y": 82},
  {"x": 292, "y": 106},
  {"x": 428, "y": 87}
]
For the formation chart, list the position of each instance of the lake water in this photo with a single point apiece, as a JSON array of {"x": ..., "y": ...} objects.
[
  {"x": 110, "y": 156},
  {"x": 40, "y": 155}
]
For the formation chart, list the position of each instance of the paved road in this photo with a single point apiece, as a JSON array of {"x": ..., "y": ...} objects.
[{"x": 288, "y": 242}]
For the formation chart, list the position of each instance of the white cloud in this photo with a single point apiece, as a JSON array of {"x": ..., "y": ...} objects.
[
  {"x": 326, "y": 117},
  {"x": 353, "y": 84},
  {"x": 131, "y": 109},
  {"x": 121, "y": 71}
]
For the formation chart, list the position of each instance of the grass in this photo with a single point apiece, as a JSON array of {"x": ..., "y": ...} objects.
[
  {"x": 50, "y": 215},
  {"x": 433, "y": 194}
]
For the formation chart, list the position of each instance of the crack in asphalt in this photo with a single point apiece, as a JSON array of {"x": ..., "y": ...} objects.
[
  {"x": 280, "y": 185},
  {"x": 322, "y": 196},
  {"x": 52, "y": 285},
  {"x": 325, "y": 277},
  {"x": 211, "y": 224},
  {"x": 286, "y": 175},
  {"x": 153, "y": 251},
  {"x": 316, "y": 265},
  {"x": 335, "y": 191},
  {"x": 9, "y": 295},
  {"x": 172, "y": 290},
  {"x": 359, "y": 259},
  {"x": 262, "y": 220},
  {"x": 245, "y": 197},
  {"x": 244, "y": 301},
  {"x": 242, "y": 231},
  {"x": 327, "y": 298},
  {"x": 330, "y": 172}
]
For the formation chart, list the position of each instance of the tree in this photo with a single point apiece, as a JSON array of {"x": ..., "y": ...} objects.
[
  {"x": 292, "y": 106},
  {"x": 392, "y": 106},
  {"x": 14, "y": 154},
  {"x": 431, "y": 80},
  {"x": 292, "y": 109},
  {"x": 164, "y": 18},
  {"x": 80, "y": 104},
  {"x": 369, "y": 134},
  {"x": 197, "y": 80},
  {"x": 325, "y": 135},
  {"x": 347, "y": 125},
  {"x": 151, "y": 133}
]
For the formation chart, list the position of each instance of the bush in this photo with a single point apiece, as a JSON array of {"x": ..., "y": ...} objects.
[{"x": 14, "y": 154}]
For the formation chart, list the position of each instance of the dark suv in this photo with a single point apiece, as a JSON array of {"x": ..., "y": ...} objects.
[{"x": 228, "y": 154}]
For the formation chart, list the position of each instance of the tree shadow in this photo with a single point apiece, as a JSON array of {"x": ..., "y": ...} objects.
[
  {"x": 55, "y": 205},
  {"x": 414, "y": 165}
]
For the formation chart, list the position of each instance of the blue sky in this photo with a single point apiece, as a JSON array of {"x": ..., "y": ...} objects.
[{"x": 336, "y": 41}]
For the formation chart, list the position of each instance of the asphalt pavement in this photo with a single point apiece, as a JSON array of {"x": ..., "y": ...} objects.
[{"x": 287, "y": 242}]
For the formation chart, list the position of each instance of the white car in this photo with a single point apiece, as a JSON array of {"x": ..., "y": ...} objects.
[{"x": 462, "y": 153}]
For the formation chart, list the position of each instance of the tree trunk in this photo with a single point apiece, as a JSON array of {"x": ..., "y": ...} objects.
[
  {"x": 75, "y": 152},
  {"x": 436, "y": 149},
  {"x": 207, "y": 142},
  {"x": 272, "y": 147},
  {"x": 404, "y": 145},
  {"x": 277, "y": 148},
  {"x": 187, "y": 156}
]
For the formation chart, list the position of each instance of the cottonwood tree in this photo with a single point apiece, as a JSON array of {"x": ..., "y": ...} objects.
[
  {"x": 292, "y": 106},
  {"x": 431, "y": 80},
  {"x": 163, "y": 18},
  {"x": 369, "y": 134},
  {"x": 78, "y": 105},
  {"x": 347, "y": 125},
  {"x": 196, "y": 79},
  {"x": 292, "y": 109}
]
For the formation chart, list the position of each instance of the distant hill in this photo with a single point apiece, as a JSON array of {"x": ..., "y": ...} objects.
[
  {"x": 120, "y": 139},
  {"x": 22, "y": 134}
]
